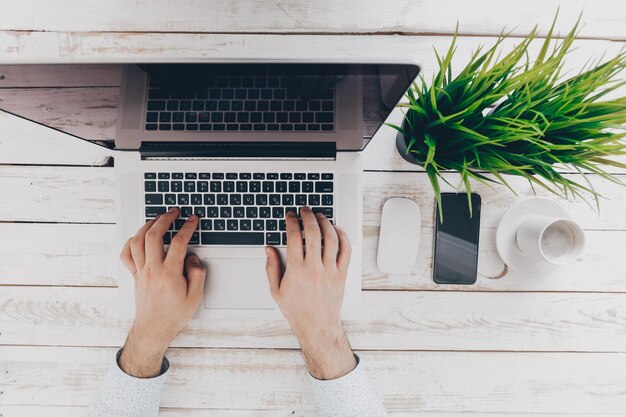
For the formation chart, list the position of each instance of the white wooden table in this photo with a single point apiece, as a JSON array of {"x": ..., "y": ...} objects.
[{"x": 509, "y": 345}]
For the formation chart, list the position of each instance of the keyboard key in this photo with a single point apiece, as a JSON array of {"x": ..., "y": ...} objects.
[
  {"x": 323, "y": 187},
  {"x": 218, "y": 176},
  {"x": 258, "y": 225},
  {"x": 245, "y": 176},
  {"x": 314, "y": 200},
  {"x": 299, "y": 176},
  {"x": 235, "y": 199},
  {"x": 229, "y": 186},
  {"x": 191, "y": 176},
  {"x": 265, "y": 212},
  {"x": 170, "y": 199},
  {"x": 190, "y": 186},
  {"x": 196, "y": 199},
  {"x": 268, "y": 187},
  {"x": 151, "y": 126},
  {"x": 178, "y": 117},
  {"x": 285, "y": 176},
  {"x": 281, "y": 186},
  {"x": 242, "y": 187},
  {"x": 212, "y": 212},
  {"x": 204, "y": 176},
  {"x": 150, "y": 186},
  {"x": 327, "y": 211},
  {"x": 232, "y": 224},
  {"x": 153, "y": 211},
  {"x": 177, "y": 186},
  {"x": 183, "y": 199},
  {"x": 208, "y": 199},
  {"x": 203, "y": 186},
  {"x": 313, "y": 176},
  {"x": 215, "y": 186},
  {"x": 327, "y": 176},
  {"x": 272, "y": 238},
  {"x": 222, "y": 199},
  {"x": 284, "y": 236},
  {"x": 301, "y": 200},
  {"x": 156, "y": 105},
  {"x": 287, "y": 199},
  {"x": 154, "y": 199},
  {"x": 226, "y": 212},
  {"x": 167, "y": 238},
  {"x": 327, "y": 199},
  {"x": 294, "y": 187},
  {"x": 239, "y": 212},
  {"x": 282, "y": 225},
  {"x": 219, "y": 225},
  {"x": 299, "y": 126},
  {"x": 248, "y": 199},
  {"x": 278, "y": 212},
  {"x": 255, "y": 186},
  {"x": 252, "y": 212},
  {"x": 271, "y": 224},
  {"x": 186, "y": 212},
  {"x": 179, "y": 126},
  {"x": 177, "y": 176},
  {"x": 261, "y": 199},
  {"x": 274, "y": 199},
  {"x": 206, "y": 224},
  {"x": 231, "y": 176},
  {"x": 163, "y": 186},
  {"x": 164, "y": 175},
  {"x": 258, "y": 176},
  {"x": 307, "y": 187},
  {"x": 165, "y": 117},
  {"x": 327, "y": 127},
  {"x": 245, "y": 225},
  {"x": 232, "y": 238},
  {"x": 199, "y": 211}
]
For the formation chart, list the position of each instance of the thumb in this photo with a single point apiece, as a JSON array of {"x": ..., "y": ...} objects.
[
  {"x": 196, "y": 275},
  {"x": 273, "y": 270}
]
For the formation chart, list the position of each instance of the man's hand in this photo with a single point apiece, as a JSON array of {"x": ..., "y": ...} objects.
[
  {"x": 168, "y": 290},
  {"x": 310, "y": 292}
]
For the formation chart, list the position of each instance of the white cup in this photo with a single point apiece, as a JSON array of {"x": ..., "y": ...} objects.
[{"x": 556, "y": 240}]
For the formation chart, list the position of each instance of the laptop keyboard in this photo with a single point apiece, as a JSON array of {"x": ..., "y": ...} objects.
[
  {"x": 239, "y": 104},
  {"x": 237, "y": 208}
]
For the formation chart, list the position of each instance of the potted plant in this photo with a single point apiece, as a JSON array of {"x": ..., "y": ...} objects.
[{"x": 512, "y": 116}]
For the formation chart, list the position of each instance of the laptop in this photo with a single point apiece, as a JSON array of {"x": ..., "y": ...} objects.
[{"x": 239, "y": 145}]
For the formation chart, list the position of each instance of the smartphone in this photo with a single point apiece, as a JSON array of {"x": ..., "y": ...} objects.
[{"x": 455, "y": 258}]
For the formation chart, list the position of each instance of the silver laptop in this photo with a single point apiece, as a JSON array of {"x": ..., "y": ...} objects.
[{"x": 240, "y": 145}]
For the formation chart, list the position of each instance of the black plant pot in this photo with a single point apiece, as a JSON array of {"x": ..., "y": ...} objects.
[{"x": 403, "y": 146}]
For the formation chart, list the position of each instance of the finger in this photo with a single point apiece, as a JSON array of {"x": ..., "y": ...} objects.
[
  {"x": 154, "y": 236},
  {"x": 127, "y": 258},
  {"x": 196, "y": 276},
  {"x": 274, "y": 270},
  {"x": 178, "y": 248},
  {"x": 331, "y": 242},
  {"x": 312, "y": 234},
  {"x": 345, "y": 251},
  {"x": 295, "y": 252},
  {"x": 137, "y": 244}
]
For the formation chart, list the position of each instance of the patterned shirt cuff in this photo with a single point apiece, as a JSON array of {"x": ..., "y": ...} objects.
[
  {"x": 124, "y": 395},
  {"x": 350, "y": 395}
]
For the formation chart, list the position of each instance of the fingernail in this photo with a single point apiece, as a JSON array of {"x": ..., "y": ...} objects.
[
  {"x": 320, "y": 215},
  {"x": 306, "y": 208},
  {"x": 173, "y": 209},
  {"x": 194, "y": 259},
  {"x": 291, "y": 213},
  {"x": 267, "y": 252}
]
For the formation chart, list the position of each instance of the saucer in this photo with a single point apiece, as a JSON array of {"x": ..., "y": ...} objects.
[{"x": 506, "y": 242}]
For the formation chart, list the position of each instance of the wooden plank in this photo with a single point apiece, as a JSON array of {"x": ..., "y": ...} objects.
[
  {"x": 16, "y": 76},
  {"x": 603, "y": 18},
  {"x": 400, "y": 320},
  {"x": 276, "y": 379},
  {"x": 81, "y": 411},
  {"x": 86, "y": 255},
  {"x": 81, "y": 194},
  {"x": 25, "y": 142},
  {"x": 92, "y": 47},
  {"x": 89, "y": 113}
]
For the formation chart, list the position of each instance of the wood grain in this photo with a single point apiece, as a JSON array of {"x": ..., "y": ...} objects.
[
  {"x": 84, "y": 194},
  {"x": 47, "y": 76},
  {"x": 86, "y": 255},
  {"x": 396, "y": 320},
  {"x": 80, "y": 411},
  {"x": 276, "y": 379},
  {"x": 604, "y": 20}
]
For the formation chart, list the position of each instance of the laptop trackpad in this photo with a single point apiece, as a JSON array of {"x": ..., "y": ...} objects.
[{"x": 236, "y": 284}]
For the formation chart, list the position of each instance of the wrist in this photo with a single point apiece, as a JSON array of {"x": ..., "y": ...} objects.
[
  {"x": 327, "y": 352},
  {"x": 142, "y": 357}
]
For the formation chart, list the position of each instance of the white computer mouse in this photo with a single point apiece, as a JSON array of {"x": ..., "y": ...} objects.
[{"x": 399, "y": 236}]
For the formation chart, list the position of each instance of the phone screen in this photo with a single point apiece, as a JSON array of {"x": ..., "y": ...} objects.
[{"x": 456, "y": 240}]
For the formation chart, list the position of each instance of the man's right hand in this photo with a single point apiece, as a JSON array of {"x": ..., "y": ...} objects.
[{"x": 310, "y": 291}]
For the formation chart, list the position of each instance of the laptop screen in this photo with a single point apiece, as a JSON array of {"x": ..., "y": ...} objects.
[{"x": 338, "y": 102}]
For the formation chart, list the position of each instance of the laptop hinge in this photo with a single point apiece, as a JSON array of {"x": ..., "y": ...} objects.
[{"x": 246, "y": 150}]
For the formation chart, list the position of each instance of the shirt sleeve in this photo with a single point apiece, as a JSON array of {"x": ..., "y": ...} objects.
[
  {"x": 349, "y": 396},
  {"x": 122, "y": 395}
]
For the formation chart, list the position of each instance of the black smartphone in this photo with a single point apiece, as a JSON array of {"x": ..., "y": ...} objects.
[{"x": 455, "y": 259}]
